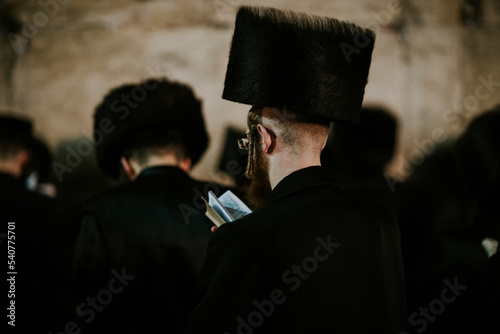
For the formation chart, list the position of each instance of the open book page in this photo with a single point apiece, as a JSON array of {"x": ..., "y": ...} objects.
[
  {"x": 213, "y": 215},
  {"x": 219, "y": 207},
  {"x": 234, "y": 205}
]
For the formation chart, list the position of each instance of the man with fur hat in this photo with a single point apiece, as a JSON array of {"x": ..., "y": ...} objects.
[
  {"x": 147, "y": 236},
  {"x": 311, "y": 258}
]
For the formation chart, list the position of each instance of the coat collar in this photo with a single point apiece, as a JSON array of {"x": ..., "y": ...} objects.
[
  {"x": 163, "y": 170},
  {"x": 9, "y": 180},
  {"x": 302, "y": 179}
]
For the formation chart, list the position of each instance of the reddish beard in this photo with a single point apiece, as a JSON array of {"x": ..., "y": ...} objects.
[{"x": 260, "y": 185}]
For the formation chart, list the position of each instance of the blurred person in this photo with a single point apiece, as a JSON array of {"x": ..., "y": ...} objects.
[
  {"x": 73, "y": 187},
  {"x": 75, "y": 184},
  {"x": 478, "y": 154},
  {"x": 311, "y": 258},
  {"x": 39, "y": 172},
  {"x": 143, "y": 242},
  {"x": 359, "y": 154},
  {"x": 441, "y": 246},
  {"x": 28, "y": 226}
]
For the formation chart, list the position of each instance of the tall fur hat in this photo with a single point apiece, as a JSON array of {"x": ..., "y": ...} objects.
[
  {"x": 154, "y": 112},
  {"x": 299, "y": 62}
]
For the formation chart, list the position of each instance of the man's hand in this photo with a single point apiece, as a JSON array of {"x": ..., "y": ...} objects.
[{"x": 214, "y": 228}]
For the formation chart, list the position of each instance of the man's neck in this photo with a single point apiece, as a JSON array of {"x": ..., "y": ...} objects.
[
  {"x": 10, "y": 168},
  {"x": 284, "y": 165},
  {"x": 163, "y": 160},
  {"x": 167, "y": 160}
]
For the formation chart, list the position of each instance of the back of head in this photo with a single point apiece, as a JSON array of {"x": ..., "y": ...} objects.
[
  {"x": 17, "y": 140},
  {"x": 301, "y": 134},
  {"x": 156, "y": 113},
  {"x": 15, "y": 133}
]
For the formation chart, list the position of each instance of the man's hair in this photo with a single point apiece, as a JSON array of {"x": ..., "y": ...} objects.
[
  {"x": 141, "y": 153},
  {"x": 16, "y": 133},
  {"x": 296, "y": 130},
  {"x": 167, "y": 117}
]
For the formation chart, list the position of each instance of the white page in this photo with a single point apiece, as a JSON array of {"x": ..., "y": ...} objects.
[
  {"x": 234, "y": 205},
  {"x": 218, "y": 207}
]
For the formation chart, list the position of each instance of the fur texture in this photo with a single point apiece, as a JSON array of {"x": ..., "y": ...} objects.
[
  {"x": 299, "y": 62},
  {"x": 162, "y": 113}
]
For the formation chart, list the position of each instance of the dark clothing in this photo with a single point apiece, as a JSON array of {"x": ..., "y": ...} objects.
[
  {"x": 368, "y": 185},
  {"x": 442, "y": 230},
  {"x": 28, "y": 234},
  {"x": 142, "y": 243},
  {"x": 494, "y": 285},
  {"x": 313, "y": 259}
]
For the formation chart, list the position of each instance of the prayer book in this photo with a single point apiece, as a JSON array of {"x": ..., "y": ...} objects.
[{"x": 225, "y": 209}]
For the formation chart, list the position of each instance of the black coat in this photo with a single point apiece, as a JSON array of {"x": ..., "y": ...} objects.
[
  {"x": 494, "y": 285},
  {"x": 312, "y": 260},
  {"x": 32, "y": 242},
  {"x": 143, "y": 243}
]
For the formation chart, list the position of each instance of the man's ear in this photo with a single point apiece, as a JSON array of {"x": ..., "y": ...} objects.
[
  {"x": 267, "y": 140},
  {"x": 128, "y": 168},
  {"x": 185, "y": 164},
  {"x": 23, "y": 158},
  {"x": 324, "y": 144}
]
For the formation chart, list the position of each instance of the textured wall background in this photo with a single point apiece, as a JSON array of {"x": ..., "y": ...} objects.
[{"x": 435, "y": 62}]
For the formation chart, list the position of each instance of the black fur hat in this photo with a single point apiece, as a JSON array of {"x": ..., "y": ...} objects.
[
  {"x": 156, "y": 111},
  {"x": 299, "y": 62}
]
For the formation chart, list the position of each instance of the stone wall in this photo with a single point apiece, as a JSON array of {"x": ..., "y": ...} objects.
[{"x": 430, "y": 65}]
